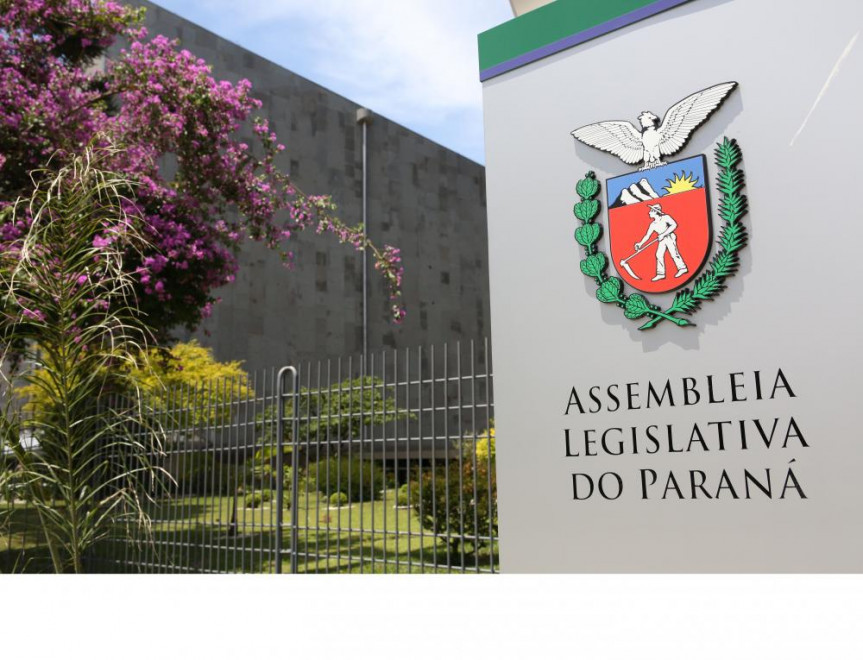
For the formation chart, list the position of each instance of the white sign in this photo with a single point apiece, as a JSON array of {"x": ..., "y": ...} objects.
[{"x": 636, "y": 431}]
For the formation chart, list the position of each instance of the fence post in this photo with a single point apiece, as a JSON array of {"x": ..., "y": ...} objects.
[
  {"x": 295, "y": 473},
  {"x": 280, "y": 466}
]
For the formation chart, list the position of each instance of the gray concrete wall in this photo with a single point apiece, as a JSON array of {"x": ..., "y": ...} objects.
[{"x": 423, "y": 198}]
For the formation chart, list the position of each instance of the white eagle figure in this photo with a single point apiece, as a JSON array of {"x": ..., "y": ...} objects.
[{"x": 655, "y": 140}]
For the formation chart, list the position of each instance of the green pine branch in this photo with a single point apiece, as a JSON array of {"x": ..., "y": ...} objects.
[
  {"x": 732, "y": 238},
  {"x": 727, "y": 154}
]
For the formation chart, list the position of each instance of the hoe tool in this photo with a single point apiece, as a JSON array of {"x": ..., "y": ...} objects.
[{"x": 625, "y": 262}]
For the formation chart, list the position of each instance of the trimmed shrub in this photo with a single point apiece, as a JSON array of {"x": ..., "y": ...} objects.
[
  {"x": 338, "y": 499},
  {"x": 201, "y": 473},
  {"x": 358, "y": 480},
  {"x": 257, "y": 498},
  {"x": 456, "y": 502},
  {"x": 403, "y": 496}
]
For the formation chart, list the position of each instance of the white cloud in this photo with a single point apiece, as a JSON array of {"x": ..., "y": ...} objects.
[{"x": 414, "y": 61}]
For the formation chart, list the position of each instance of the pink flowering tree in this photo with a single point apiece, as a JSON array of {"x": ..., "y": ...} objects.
[{"x": 176, "y": 128}]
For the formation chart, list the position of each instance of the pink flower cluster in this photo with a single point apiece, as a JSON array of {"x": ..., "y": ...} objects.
[{"x": 176, "y": 128}]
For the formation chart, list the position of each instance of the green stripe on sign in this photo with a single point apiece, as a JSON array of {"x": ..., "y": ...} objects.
[{"x": 548, "y": 24}]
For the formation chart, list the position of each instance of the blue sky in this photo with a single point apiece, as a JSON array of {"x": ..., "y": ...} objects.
[
  {"x": 412, "y": 61},
  {"x": 658, "y": 177}
]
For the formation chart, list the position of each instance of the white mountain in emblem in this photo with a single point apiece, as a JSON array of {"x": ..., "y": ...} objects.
[
  {"x": 641, "y": 191},
  {"x": 655, "y": 140}
]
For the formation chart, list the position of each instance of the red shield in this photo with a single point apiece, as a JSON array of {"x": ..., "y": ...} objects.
[{"x": 659, "y": 224}]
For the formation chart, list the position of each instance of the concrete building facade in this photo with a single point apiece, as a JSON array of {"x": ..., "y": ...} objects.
[{"x": 423, "y": 198}]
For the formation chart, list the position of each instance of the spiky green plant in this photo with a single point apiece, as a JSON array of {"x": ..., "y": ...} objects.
[{"x": 69, "y": 317}]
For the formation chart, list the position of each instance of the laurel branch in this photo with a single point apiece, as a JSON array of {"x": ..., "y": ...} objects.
[{"x": 732, "y": 238}]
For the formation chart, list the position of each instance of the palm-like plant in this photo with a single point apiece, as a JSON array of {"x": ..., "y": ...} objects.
[{"x": 68, "y": 317}]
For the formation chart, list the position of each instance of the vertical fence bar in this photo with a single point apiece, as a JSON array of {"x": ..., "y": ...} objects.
[
  {"x": 433, "y": 447},
  {"x": 327, "y": 446},
  {"x": 420, "y": 411},
  {"x": 473, "y": 458},
  {"x": 208, "y": 490},
  {"x": 280, "y": 465},
  {"x": 234, "y": 473},
  {"x": 259, "y": 440},
  {"x": 267, "y": 521},
  {"x": 408, "y": 451},
  {"x": 372, "y": 485},
  {"x": 492, "y": 504},
  {"x": 257, "y": 516},
  {"x": 396, "y": 480},
  {"x": 249, "y": 412},
  {"x": 339, "y": 464},
  {"x": 350, "y": 450},
  {"x": 170, "y": 457},
  {"x": 295, "y": 471},
  {"x": 182, "y": 460},
  {"x": 307, "y": 446},
  {"x": 224, "y": 426},
  {"x": 318, "y": 469},
  {"x": 252, "y": 411},
  {"x": 446, "y": 473},
  {"x": 144, "y": 554},
  {"x": 363, "y": 368},
  {"x": 161, "y": 421},
  {"x": 193, "y": 524},
  {"x": 383, "y": 445}
]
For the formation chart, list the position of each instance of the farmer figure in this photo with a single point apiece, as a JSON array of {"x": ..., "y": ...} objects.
[{"x": 663, "y": 226}]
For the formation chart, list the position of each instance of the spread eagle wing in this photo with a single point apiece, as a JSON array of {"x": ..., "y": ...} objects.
[
  {"x": 685, "y": 116},
  {"x": 616, "y": 137}
]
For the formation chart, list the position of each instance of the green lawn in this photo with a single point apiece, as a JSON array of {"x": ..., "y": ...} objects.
[{"x": 196, "y": 534}]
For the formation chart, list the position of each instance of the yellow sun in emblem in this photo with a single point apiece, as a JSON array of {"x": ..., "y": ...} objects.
[{"x": 682, "y": 182}]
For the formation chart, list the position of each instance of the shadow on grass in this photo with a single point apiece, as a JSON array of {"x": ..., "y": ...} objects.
[
  {"x": 211, "y": 536},
  {"x": 339, "y": 551},
  {"x": 22, "y": 543},
  {"x": 213, "y": 549}
]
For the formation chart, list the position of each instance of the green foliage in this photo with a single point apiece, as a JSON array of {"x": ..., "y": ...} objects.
[
  {"x": 200, "y": 473},
  {"x": 189, "y": 375},
  {"x": 609, "y": 291},
  {"x": 593, "y": 265},
  {"x": 185, "y": 376},
  {"x": 588, "y": 234},
  {"x": 338, "y": 499},
  {"x": 460, "y": 500},
  {"x": 732, "y": 238},
  {"x": 403, "y": 495},
  {"x": 359, "y": 480},
  {"x": 636, "y": 306},
  {"x": 338, "y": 413},
  {"x": 588, "y": 186},
  {"x": 586, "y": 209},
  {"x": 728, "y": 154},
  {"x": 65, "y": 291},
  {"x": 257, "y": 498},
  {"x": 486, "y": 447}
]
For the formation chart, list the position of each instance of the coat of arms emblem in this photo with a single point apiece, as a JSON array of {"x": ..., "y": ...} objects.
[{"x": 659, "y": 228}]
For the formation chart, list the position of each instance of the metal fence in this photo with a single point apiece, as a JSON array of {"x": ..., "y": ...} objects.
[{"x": 383, "y": 464}]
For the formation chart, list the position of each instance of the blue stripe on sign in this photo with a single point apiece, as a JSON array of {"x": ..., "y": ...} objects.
[{"x": 580, "y": 37}]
